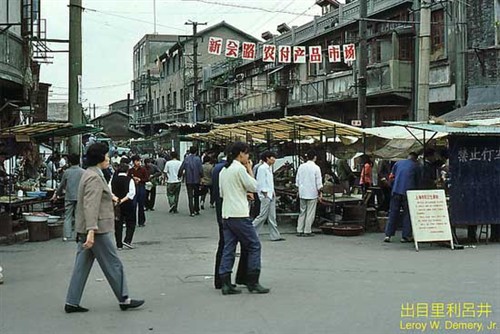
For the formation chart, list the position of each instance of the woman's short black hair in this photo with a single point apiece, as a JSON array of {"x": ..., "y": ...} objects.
[
  {"x": 96, "y": 153},
  {"x": 74, "y": 159},
  {"x": 311, "y": 154},
  {"x": 235, "y": 150},
  {"x": 174, "y": 155},
  {"x": 123, "y": 167}
]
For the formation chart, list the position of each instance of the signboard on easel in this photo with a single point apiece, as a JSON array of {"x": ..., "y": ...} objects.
[{"x": 429, "y": 216}]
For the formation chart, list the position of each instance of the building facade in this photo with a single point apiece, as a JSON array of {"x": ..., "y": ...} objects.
[
  {"x": 248, "y": 90},
  {"x": 175, "y": 84},
  {"x": 22, "y": 99},
  {"x": 145, "y": 55}
]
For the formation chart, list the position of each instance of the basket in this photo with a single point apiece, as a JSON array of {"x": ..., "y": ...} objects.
[
  {"x": 55, "y": 230},
  {"x": 347, "y": 230}
]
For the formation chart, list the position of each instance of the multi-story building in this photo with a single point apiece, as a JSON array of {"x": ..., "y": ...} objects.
[
  {"x": 175, "y": 85},
  {"x": 146, "y": 53},
  {"x": 257, "y": 89},
  {"x": 22, "y": 34}
]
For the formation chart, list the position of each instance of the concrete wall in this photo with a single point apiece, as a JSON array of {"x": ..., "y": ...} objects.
[{"x": 483, "y": 64}]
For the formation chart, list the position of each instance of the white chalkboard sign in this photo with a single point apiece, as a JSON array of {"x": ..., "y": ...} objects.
[{"x": 429, "y": 216}]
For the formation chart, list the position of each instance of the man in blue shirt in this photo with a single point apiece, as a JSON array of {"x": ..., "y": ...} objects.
[
  {"x": 192, "y": 168},
  {"x": 405, "y": 174}
]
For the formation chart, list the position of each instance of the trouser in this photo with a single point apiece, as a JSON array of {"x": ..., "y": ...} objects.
[
  {"x": 104, "y": 251},
  {"x": 173, "y": 190},
  {"x": 139, "y": 200},
  {"x": 204, "y": 190},
  {"x": 397, "y": 202},
  {"x": 150, "y": 198},
  {"x": 346, "y": 187},
  {"x": 193, "y": 191},
  {"x": 69, "y": 218},
  {"x": 306, "y": 215},
  {"x": 255, "y": 207},
  {"x": 267, "y": 212},
  {"x": 126, "y": 217},
  {"x": 386, "y": 200},
  {"x": 242, "y": 264},
  {"x": 239, "y": 230}
]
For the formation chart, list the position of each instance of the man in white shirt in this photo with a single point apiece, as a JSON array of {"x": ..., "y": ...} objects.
[
  {"x": 235, "y": 181},
  {"x": 267, "y": 197},
  {"x": 173, "y": 182},
  {"x": 309, "y": 182}
]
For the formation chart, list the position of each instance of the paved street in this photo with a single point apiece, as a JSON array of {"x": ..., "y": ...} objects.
[{"x": 325, "y": 284}]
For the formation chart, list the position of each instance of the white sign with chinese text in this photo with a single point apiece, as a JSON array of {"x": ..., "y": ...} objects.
[{"x": 429, "y": 216}]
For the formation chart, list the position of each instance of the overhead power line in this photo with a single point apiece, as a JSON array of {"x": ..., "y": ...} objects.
[
  {"x": 96, "y": 87},
  {"x": 249, "y": 7},
  {"x": 129, "y": 18}
]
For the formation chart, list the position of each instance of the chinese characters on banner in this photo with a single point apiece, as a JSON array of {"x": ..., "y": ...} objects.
[
  {"x": 215, "y": 46},
  {"x": 285, "y": 54}
]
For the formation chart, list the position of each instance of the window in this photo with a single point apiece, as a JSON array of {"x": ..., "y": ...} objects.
[
  {"x": 163, "y": 102},
  {"x": 181, "y": 97},
  {"x": 497, "y": 21},
  {"x": 406, "y": 48},
  {"x": 175, "y": 100},
  {"x": 169, "y": 100},
  {"x": 374, "y": 52},
  {"x": 437, "y": 35}
]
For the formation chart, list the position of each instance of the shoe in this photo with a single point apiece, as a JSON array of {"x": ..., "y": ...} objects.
[
  {"x": 74, "y": 308},
  {"x": 142, "y": 225},
  {"x": 131, "y": 303},
  {"x": 280, "y": 239},
  {"x": 119, "y": 248},
  {"x": 387, "y": 239},
  {"x": 175, "y": 211},
  {"x": 253, "y": 284},
  {"x": 191, "y": 215},
  {"x": 405, "y": 240},
  {"x": 300, "y": 234},
  {"x": 212, "y": 206},
  {"x": 228, "y": 288},
  {"x": 308, "y": 234},
  {"x": 129, "y": 246},
  {"x": 151, "y": 209},
  {"x": 197, "y": 213},
  {"x": 171, "y": 210},
  {"x": 65, "y": 239}
]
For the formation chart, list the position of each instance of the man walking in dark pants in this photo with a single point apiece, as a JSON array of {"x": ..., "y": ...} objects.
[
  {"x": 140, "y": 176},
  {"x": 242, "y": 264},
  {"x": 154, "y": 179},
  {"x": 235, "y": 181},
  {"x": 192, "y": 169},
  {"x": 405, "y": 174}
]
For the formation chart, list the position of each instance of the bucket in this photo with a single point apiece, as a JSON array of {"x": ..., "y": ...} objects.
[
  {"x": 38, "y": 231},
  {"x": 55, "y": 230}
]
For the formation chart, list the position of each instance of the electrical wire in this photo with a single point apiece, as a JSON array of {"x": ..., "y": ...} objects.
[
  {"x": 247, "y": 7},
  {"x": 96, "y": 87},
  {"x": 130, "y": 18}
]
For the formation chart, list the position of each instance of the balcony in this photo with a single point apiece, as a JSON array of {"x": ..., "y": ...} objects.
[{"x": 260, "y": 102}]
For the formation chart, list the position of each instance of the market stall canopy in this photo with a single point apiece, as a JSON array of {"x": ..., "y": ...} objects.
[
  {"x": 283, "y": 129},
  {"x": 455, "y": 128},
  {"x": 45, "y": 130}
]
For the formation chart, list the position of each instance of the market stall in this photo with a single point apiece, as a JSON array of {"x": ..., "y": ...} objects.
[
  {"x": 474, "y": 171},
  {"x": 23, "y": 191}
]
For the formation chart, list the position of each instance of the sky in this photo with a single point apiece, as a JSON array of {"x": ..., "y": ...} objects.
[{"x": 111, "y": 28}]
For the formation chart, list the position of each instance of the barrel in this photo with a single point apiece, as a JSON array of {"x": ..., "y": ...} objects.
[{"x": 38, "y": 231}]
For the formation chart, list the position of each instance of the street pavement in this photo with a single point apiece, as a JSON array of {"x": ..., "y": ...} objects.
[{"x": 324, "y": 284}]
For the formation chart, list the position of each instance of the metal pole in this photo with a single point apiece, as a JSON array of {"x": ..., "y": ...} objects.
[
  {"x": 195, "y": 67},
  {"x": 75, "y": 72},
  {"x": 424, "y": 61},
  {"x": 149, "y": 105},
  {"x": 362, "y": 62},
  {"x": 154, "y": 16}
]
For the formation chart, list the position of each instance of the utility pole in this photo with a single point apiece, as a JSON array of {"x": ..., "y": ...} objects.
[
  {"x": 94, "y": 111},
  {"x": 362, "y": 63},
  {"x": 195, "y": 66},
  {"x": 75, "y": 72},
  {"x": 149, "y": 105},
  {"x": 424, "y": 37},
  {"x": 154, "y": 16}
]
